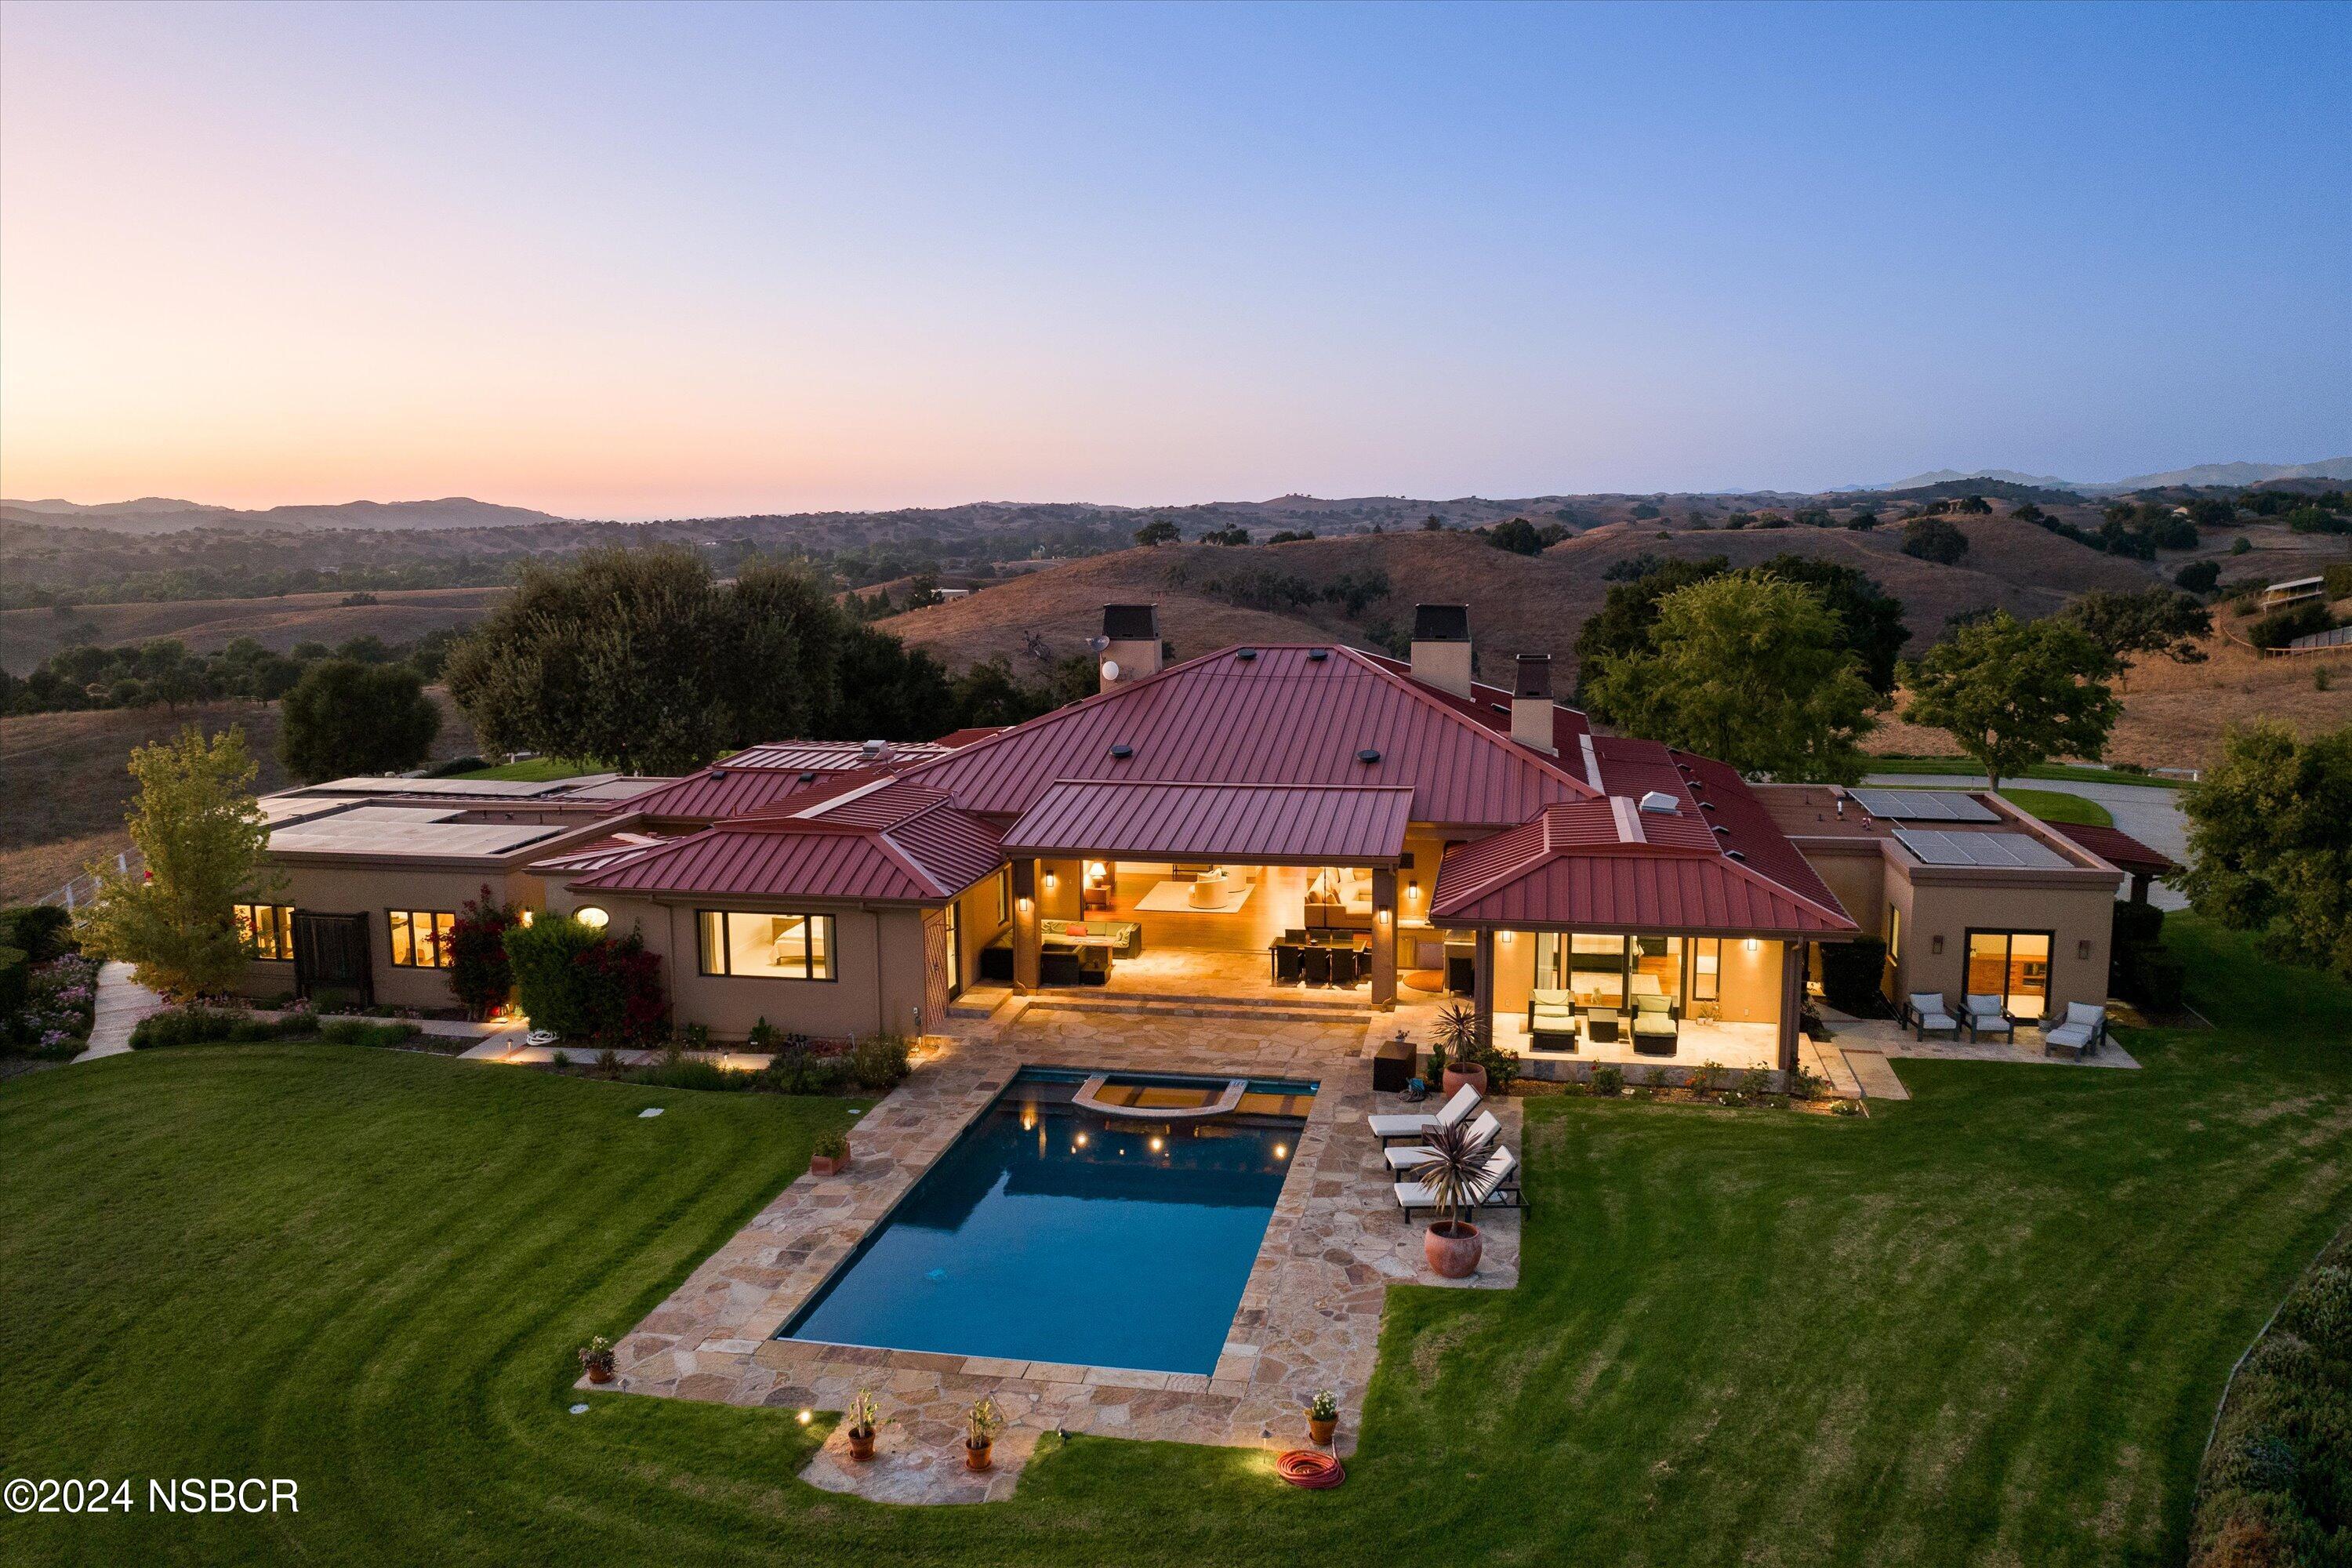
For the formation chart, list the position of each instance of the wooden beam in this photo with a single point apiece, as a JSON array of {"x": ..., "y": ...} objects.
[
  {"x": 1024, "y": 926},
  {"x": 1384, "y": 934},
  {"x": 1482, "y": 998}
]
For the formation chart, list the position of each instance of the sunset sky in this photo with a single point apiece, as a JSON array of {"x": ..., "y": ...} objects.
[{"x": 628, "y": 262}]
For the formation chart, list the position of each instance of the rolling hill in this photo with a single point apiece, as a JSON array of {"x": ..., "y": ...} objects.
[
  {"x": 27, "y": 637},
  {"x": 162, "y": 514}
]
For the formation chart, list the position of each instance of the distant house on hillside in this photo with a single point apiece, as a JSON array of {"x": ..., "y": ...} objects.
[{"x": 2292, "y": 590}]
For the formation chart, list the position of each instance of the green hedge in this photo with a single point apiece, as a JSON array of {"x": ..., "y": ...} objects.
[
  {"x": 43, "y": 931},
  {"x": 2275, "y": 1487},
  {"x": 204, "y": 1025},
  {"x": 547, "y": 979},
  {"x": 16, "y": 979}
]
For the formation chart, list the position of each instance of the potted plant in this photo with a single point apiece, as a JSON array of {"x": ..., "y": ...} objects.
[
  {"x": 863, "y": 1417},
  {"x": 831, "y": 1155},
  {"x": 1457, "y": 1051},
  {"x": 1322, "y": 1417},
  {"x": 981, "y": 1423},
  {"x": 1453, "y": 1164},
  {"x": 596, "y": 1355}
]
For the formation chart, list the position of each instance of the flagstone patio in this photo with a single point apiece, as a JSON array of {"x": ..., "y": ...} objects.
[{"x": 1309, "y": 1316}]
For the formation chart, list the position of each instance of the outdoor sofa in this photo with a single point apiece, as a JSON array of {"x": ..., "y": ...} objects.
[{"x": 1551, "y": 1020}]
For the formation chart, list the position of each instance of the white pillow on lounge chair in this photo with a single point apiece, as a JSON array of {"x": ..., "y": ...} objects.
[{"x": 1415, "y": 1125}]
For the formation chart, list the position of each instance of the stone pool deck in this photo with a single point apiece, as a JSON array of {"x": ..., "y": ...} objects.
[{"x": 1309, "y": 1316}]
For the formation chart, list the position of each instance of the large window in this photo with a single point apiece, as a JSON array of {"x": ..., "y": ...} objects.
[
  {"x": 420, "y": 937},
  {"x": 267, "y": 930},
  {"x": 767, "y": 946},
  {"x": 2014, "y": 966},
  {"x": 1604, "y": 971}
]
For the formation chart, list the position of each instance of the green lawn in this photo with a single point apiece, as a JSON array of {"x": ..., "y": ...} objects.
[
  {"x": 2074, "y": 772},
  {"x": 1987, "y": 1325},
  {"x": 2057, "y": 806}
]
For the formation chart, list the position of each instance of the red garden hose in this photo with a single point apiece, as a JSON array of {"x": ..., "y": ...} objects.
[{"x": 1306, "y": 1468}]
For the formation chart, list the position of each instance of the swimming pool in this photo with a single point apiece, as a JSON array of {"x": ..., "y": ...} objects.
[{"x": 1056, "y": 1231}]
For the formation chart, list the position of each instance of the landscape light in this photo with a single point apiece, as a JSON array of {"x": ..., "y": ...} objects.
[{"x": 806, "y": 1417}]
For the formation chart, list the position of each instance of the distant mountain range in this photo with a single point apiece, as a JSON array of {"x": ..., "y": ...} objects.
[
  {"x": 2222, "y": 474},
  {"x": 162, "y": 514}
]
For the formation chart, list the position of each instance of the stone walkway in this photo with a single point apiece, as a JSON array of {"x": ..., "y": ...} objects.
[
  {"x": 120, "y": 1003},
  {"x": 1875, "y": 1074},
  {"x": 1889, "y": 1039},
  {"x": 1309, "y": 1316}
]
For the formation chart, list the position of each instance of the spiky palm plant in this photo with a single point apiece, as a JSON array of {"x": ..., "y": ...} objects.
[{"x": 1452, "y": 1165}]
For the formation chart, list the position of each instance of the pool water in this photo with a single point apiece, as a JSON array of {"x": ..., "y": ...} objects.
[{"x": 1048, "y": 1232}]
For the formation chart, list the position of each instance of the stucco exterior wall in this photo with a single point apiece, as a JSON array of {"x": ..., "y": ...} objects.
[
  {"x": 2079, "y": 919},
  {"x": 372, "y": 891}
]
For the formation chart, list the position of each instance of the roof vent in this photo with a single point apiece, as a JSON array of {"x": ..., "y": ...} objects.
[
  {"x": 1317, "y": 654},
  {"x": 1368, "y": 754},
  {"x": 1706, "y": 805},
  {"x": 808, "y": 778},
  {"x": 1736, "y": 855},
  {"x": 874, "y": 751},
  {"x": 1122, "y": 750},
  {"x": 718, "y": 772},
  {"x": 1723, "y": 830},
  {"x": 1246, "y": 655},
  {"x": 1660, "y": 803}
]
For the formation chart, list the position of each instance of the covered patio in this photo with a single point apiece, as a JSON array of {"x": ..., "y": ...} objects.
[{"x": 1209, "y": 890}]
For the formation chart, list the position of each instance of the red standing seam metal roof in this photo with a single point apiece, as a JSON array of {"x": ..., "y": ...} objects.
[
  {"x": 2118, "y": 848},
  {"x": 1283, "y": 717},
  {"x": 914, "y": 845},
  {"x": 722, "y": 791},
  {"x": 605, "y": 852},
  {"x": 1317, "y": 823},
  {"x": 1581, "y": 865},
  {"x": 1491, "y": 706}
]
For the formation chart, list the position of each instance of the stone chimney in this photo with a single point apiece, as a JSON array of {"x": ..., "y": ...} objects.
[
  {"x": 1440, "y": 647},
  {"x": 1532, "y": 710},
  {"x": 1130, "y": 645}
]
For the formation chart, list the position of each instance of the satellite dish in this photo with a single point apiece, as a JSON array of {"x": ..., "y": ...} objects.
[{"x": 1111, "y": 669}]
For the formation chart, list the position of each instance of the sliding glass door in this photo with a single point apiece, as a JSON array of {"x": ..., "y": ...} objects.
[
  {"x": 2014, "y": 966},
  {"x": 1610, "y": 971}
]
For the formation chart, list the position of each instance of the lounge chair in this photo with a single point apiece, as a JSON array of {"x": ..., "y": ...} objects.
[
  {"x": 2081, "y": 1035},
  {"x": 1498, "y": 1187},
  {"x": 1408, "y": 1158},
  {"x": 1985, "y": 1015},
  {"x": 1655, "y": 1032},
  {"x": 1415, "y": 1125},
  {"x": 1923, "y": 1011},
  {"x": 1551, "y": 1020}
]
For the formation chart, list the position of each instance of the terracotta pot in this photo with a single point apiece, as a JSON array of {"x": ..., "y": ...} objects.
[
  {"x": 976, "y": 1456},
  {"x": 1473, "y": 1075},
  {"x": 861, "y": 1443},
  {"x": 1452, "y": 1248},
  {"x": 600, "y": 1372},
  {"x": 1319, "y": 1432},
  {"x": 827, "y": 1164}
]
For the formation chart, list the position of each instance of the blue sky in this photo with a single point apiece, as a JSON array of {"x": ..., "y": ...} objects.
[{"x": 652, "y": 260}]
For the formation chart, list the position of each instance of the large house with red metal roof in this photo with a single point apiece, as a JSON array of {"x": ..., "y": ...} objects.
[{"x": 1280, "y": 825}]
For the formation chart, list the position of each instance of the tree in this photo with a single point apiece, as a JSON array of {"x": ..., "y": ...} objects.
[
  {"x": 2199, "y": 576},
  {"x": 2156, "y": 620},
  {"x": 1870, "y": 619},
  {"x": 200, "y": 829},
  {"x": 1751, "y": 669},
  {"x": 2015, "y": 694},
  {"x": 2270, "y": 842},
  {"x": 1157, "y": 532},
  {"x": 785, "y": 636},
  {"x": 1232, "y": 534},
  {"x": 1518, "y": 536},
  {"x": 1933, "y": 538},
  {"x": 622, "y": 656},
  {"x": 1433, "y": 523},
  {"x": 344, "y": 718}
]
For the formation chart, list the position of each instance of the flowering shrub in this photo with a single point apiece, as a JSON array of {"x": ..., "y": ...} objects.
[
  {"x": 61, "y": 999},
  {"x": 587, "y": 985},
  {"x": 479, "y": 972}
]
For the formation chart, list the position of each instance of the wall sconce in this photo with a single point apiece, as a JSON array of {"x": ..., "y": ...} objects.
[
  {"x": 1383, "y": 916},
  {"x": 2083, "y": 948},
  {"x": 1027, "y": 905},
  {"x": 1507, "y": 937},
  {"x": 1935, "y": 943},
  {"x": 1052, "y": 881},
  {"x": 1754, "y": 945},
  {"x": 1412, "y": 892}
]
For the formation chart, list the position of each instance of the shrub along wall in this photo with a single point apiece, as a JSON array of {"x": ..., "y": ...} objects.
[{"x": 2276, "y": 1485}]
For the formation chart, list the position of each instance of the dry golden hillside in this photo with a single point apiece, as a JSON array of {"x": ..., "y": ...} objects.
[{"x": 27, "y": 637}]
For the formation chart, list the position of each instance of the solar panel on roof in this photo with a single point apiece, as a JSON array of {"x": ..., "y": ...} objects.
[
  {"x": 1924, "y": 805},
  {"x": 2000, "y": 851}
]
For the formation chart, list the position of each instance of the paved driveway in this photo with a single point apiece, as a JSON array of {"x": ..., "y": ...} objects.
[{"x": 2148, "y": 813}]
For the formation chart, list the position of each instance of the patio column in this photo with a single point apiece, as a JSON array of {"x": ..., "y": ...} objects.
[
  {"x": 1792, "y": 1000},
  {"x": 1024, "y": 926},
  {"x": 1384, "y": 934},
  {"x": 1483, "y": 997}
]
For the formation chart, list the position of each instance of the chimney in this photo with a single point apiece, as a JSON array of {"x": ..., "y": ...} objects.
[
  {"x": 1129, "y": 644},
  {"x": 1440, "y": 647},
  {"x": 1532, "y": 709}
]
